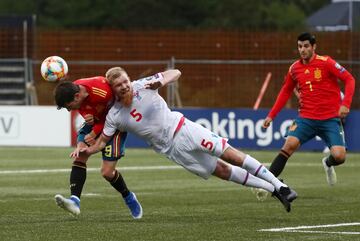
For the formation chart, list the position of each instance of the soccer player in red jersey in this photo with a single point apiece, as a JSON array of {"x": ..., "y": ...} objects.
[
  {"x": 92, "y": 98},
  {"x": 320, "y": 106}
]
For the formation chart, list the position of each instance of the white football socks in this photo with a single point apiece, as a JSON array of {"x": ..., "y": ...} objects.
[
  {"x": 257, "y": 169},
  {"x": 241, "y": 176}
]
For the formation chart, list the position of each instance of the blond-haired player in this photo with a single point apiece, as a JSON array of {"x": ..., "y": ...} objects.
[{"x": 141, "y": 110}]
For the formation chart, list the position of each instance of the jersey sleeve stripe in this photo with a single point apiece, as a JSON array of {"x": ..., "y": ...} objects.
[
  {"x": 99, "y": 90},
  {"x": 99, "y": 94}
]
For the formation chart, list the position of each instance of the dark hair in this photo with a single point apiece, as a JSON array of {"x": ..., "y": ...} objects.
[
  {"x": 64, "y": 93},
  {"x": 307, "y": 36}
]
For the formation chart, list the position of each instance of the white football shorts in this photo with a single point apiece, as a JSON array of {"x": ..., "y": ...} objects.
[{"x": 197, "y": 149}]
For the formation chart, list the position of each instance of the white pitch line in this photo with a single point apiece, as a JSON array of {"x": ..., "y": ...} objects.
[
  {"x": 134, "y": 168},
  {"x": 140, "y": 168},
  {"x": 300, "y": 229},
  {"x": 309, "y": 227},
  {"x": 327, "y": 232}
]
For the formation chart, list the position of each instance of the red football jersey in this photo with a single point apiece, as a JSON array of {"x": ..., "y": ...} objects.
[
  {"x": 318, "y": 87},
  {"x": 98, "y": 102}
]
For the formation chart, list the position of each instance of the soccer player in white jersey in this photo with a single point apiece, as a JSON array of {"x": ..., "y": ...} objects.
[{"x": 141, "y": 110}]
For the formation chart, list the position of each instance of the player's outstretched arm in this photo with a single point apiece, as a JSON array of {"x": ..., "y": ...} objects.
[{"x": 169, "y": 76}]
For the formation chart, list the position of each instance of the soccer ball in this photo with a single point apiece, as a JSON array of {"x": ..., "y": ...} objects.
[{"x": 54, "y": 68}]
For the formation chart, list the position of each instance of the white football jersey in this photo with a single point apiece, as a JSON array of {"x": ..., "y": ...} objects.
[{"x": 148, "y": 117}]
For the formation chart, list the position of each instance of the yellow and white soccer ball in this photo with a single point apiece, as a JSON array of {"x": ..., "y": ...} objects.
[{"x": 54, "y": 68}]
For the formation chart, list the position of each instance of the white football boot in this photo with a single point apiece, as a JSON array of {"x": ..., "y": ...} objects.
[
  {"x": 330, "y": 173},
  {"x": 72, "y": 204}
]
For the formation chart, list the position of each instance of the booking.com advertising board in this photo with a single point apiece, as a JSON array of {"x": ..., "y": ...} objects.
[
  {"x": 34, "y": 126},
  {"x": 243, "y": 128}
]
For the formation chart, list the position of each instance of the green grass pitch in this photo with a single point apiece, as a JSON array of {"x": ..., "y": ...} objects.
[{"x": 177, "y": 204}]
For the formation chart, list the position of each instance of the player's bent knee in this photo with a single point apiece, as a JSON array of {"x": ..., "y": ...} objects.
[
  {"x": 339, "y": 155},
  {"x": 233, "y": 156},
  {"x": 81, "y": 164},
  {"x": 291, "y": 145},
  {"x": 107, "y": 173},
  {"x": 81, "y": 160},
  {"x": 290, "y": 148},
  {"x": 340, "y": 159}
]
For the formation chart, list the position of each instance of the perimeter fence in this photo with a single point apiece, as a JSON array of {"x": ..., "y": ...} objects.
[{"x": 219, "y": 68}]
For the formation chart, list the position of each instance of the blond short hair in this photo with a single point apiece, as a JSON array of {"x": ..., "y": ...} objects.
[{"x": 114, "y": 73}]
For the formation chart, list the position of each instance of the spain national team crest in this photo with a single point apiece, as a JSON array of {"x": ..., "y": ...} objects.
[
  {"x": 317, "y": 74},
  {"x": 293, "y": 126}
]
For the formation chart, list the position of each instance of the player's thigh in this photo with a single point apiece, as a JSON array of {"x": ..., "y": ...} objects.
[
  {"x": 196, "y": 149},
  {"x": 197, "y": 162},
  {"x": 115, "y": 147},
  {"x": 203, "y": 140},
  {"x": 332, "y": 133}
]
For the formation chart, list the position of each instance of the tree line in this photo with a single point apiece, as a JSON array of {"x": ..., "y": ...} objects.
[{"x": 282, "y": 15}]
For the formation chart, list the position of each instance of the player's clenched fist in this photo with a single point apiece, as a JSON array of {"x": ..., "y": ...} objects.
[{"x": 267, "y": 122}]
